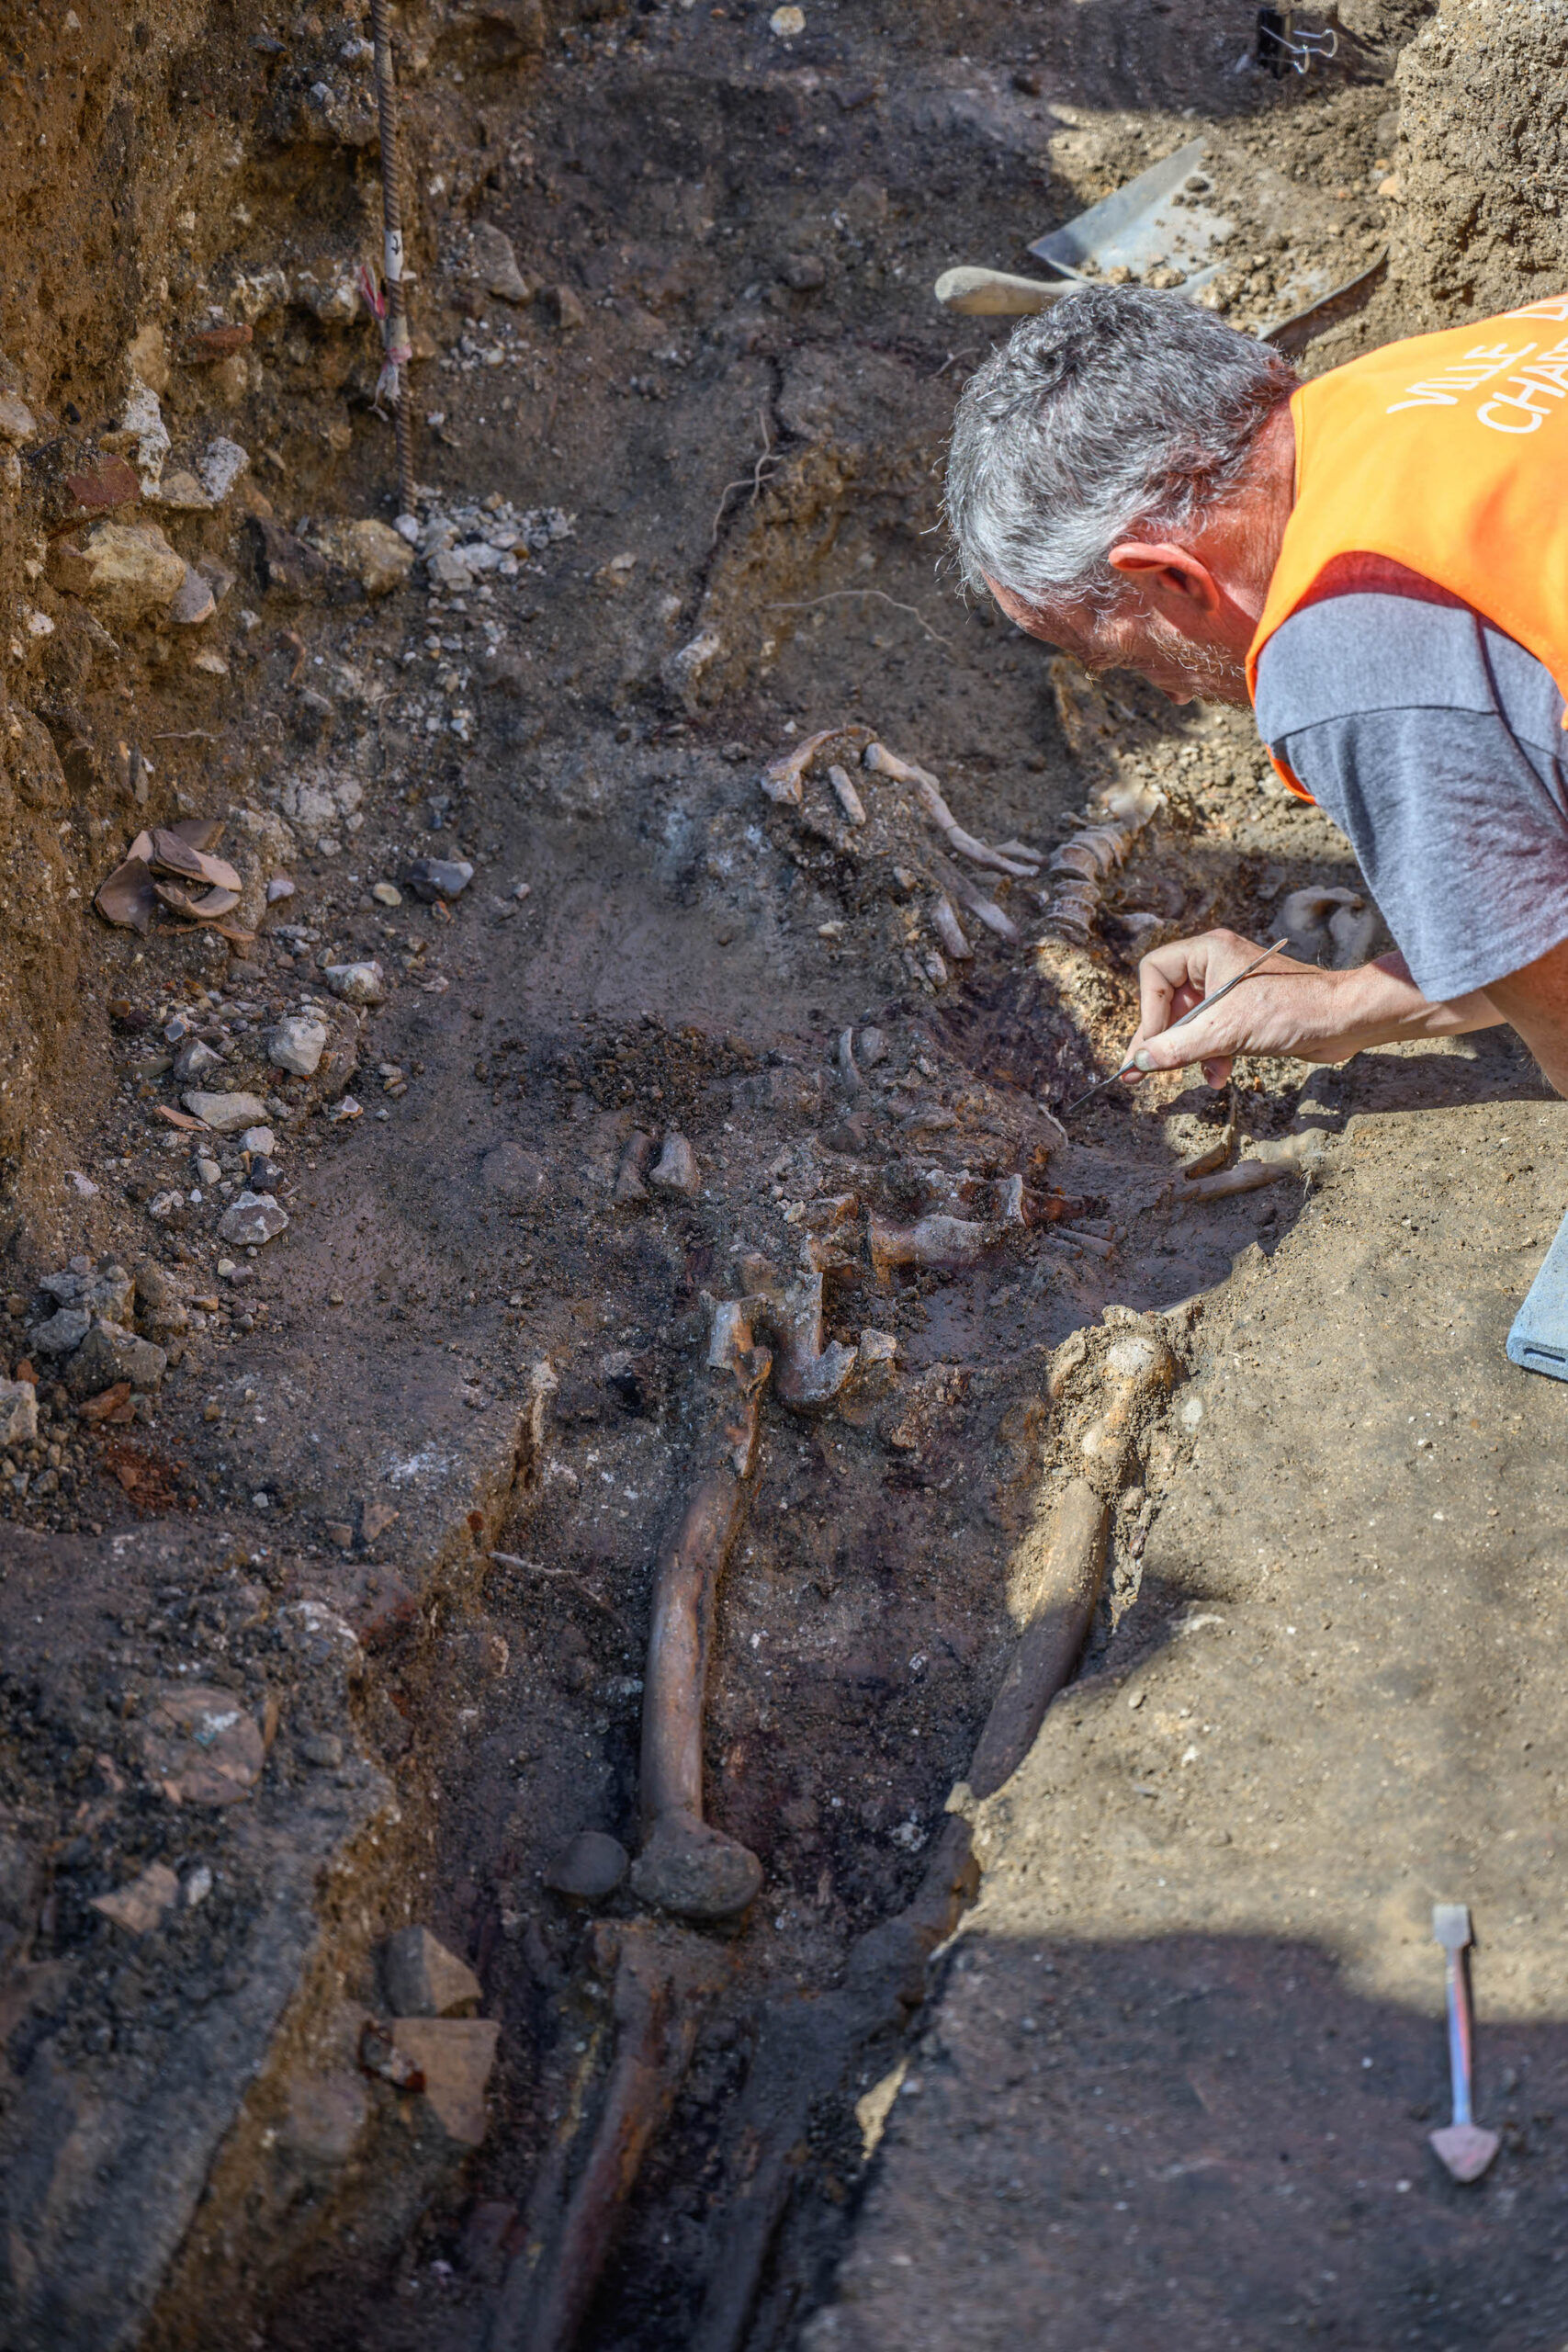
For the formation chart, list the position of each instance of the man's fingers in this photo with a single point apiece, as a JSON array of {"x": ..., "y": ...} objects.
[{"x": 1217, "y": 1071}]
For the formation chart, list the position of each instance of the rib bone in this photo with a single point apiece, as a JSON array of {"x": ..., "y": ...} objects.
[
  {"x": 685, "y": 1866},
  {"x": 950, "y": 930},
  {"x": 783, "y": 779},
  {"x": 882, "y": 761}
]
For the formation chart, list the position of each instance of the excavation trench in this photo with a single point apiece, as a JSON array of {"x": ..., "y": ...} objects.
[{"x": 680, "y": 1245}]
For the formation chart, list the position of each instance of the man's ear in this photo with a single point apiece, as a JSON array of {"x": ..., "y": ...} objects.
[{"x": 1171, "y": 575}]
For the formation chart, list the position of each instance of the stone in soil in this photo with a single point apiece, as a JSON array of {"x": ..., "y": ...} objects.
[
  {"x": 455, "y": 2055},
  {"x": 63, "y": 1330},
  {"x": 356, "y": 983},
  {"x": 195, "y": 1061},
  {"x": 438, "y": 878},
  {"x": 18, "y": 1412},
  {"x": 676, "y": 1168},
  {"x": 226, "y": 1114},
  {"x": 110, "y": 1353},
  {"x": 424, "y": 1979},
  {"x": 296, "y": 1046},
  {"x": 590, "y": 1869},
  {"x": 254, "y": 1218},
  {"x": 202, "y": 1746},
  {"x": 103, "y": 1289},
  {"x": 139, "y": 1905}
]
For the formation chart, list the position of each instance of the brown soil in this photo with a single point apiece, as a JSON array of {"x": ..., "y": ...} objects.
[{"x": 400, "y": 1490}]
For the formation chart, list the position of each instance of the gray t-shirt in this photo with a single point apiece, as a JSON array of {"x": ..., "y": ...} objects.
[{"x": 1437, "y": 744}]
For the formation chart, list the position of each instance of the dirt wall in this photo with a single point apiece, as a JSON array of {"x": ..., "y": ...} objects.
[{"x": 1483, "y": 159}]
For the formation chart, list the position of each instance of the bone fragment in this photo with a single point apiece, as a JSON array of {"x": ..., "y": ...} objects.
[
  {"x": 1048, "y": 1647},
  {"x": 807, "y": 1375},
  {"x": 847, "y": 798},
  {"x": 1098, "y": 1245},
  {"x": 663, "y": 1978},
  {"x": 1206, "y": 1163},
  {"x": 994, "y": 917},
  {"x": 949, "y": 930},
  {"x": 685, "y": 1866},
  {"x": 1136, "y": 1369},
  {"x": 996, "y": 293},
  {"x": 848, "y": 1070},
  {"x": 783, "y": 779},
  {"x": 882, "y": 761},
  {"x": 635, "y": 1154},
  {"x": 950, "y": 1241},
  {"x": 1246, "y": 1176},
  {"x": 1338, "y": 920}
]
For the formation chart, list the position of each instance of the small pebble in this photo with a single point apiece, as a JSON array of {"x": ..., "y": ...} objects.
[{"x": 387, "y": 894}]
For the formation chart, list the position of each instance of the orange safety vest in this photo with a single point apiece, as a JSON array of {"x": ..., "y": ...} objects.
[{"x": 1449, "y": 453}]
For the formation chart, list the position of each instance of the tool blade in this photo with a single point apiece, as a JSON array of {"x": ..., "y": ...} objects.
[
  {"x": 1464, "y": 2149},
  {"x": 1450, "y": 1924}
]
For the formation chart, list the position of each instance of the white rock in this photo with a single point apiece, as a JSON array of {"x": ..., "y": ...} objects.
[
  {"x": 260, "y": 1139},
  {"x": 255, "y": 1217},
  {"x": 682, "y": 672},
  {"x": 193, "y": 601},
  {"x": 18, "y": 1412},
  {"x": 495, "y": 263},
  {"x": 297, "y": 1046},
  {"x": 129, "y": 569},
  {"x": 221, "y": 467},
  {"x": 356, "y": 983},
  {"x": 279, "y": 887},
  {"x": 226, "y": 1114},
  {"x": 16, "y": 420}
]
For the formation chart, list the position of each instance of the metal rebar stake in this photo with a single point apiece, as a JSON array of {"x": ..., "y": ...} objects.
[{"x": 393, "y": 385}]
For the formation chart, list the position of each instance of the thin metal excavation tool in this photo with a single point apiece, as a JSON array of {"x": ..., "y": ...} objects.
[
  {"x": 1278, "y": 945},
  {"x": 1463, "y": 2146}
]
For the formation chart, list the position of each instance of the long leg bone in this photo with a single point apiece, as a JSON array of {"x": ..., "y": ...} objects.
[
  {"x": 882, "y": 761},
  {"x": 661, "y": 1980},
  {"x": 805, "y": 2050},
  {"x": 685, "y": 1866},
  {"x": 1067, "y": 1581}
]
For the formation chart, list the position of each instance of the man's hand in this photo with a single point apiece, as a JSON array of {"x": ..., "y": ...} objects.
[{"x": 1285, "y": 1007}]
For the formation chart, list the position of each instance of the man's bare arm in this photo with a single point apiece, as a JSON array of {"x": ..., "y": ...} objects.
[
  {"x": 1534, "y": 1001},
  {"x": 1291, "y": 1008}
]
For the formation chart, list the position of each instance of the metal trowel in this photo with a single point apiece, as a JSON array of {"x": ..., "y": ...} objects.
[{"x": 1463, "y": 2146}]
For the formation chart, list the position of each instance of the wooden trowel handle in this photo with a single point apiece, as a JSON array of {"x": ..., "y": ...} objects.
[{"x": 992, "y": 294}]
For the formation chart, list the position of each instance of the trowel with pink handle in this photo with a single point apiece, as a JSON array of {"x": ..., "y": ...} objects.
[{"x": 1463, "y": 2146}]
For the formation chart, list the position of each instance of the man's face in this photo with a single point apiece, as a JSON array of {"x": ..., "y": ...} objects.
[{"x": 1188, "y": 659}]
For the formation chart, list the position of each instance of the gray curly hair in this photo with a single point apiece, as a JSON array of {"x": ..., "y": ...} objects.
[{"x": 1116, "y": 410}]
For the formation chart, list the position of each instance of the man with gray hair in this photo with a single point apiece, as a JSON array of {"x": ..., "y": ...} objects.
[{"x": 1378, "y": 560}]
